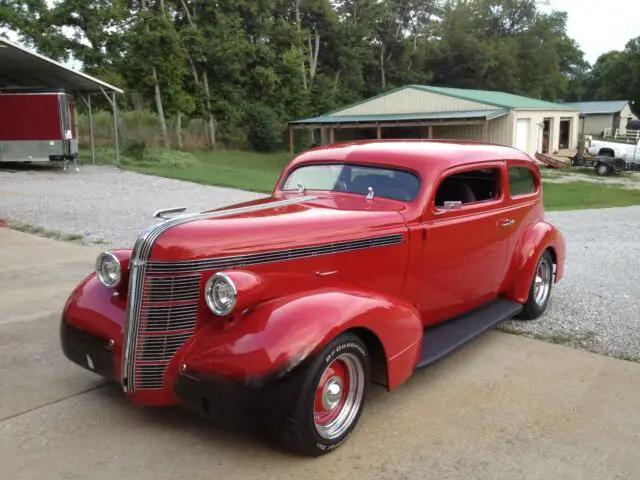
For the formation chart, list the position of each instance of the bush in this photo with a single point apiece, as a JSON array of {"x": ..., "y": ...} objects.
[
  {"x": 160, "y": 158},
  {"x": 169, "y": 158},
  {"x": 136, "y": 149},
  {"x": 264, "y": 131}
]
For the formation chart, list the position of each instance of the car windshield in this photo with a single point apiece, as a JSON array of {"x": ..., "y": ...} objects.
[{"x": 385, "y": 182}]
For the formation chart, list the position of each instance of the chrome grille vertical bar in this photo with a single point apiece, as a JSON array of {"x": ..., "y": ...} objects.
[{"x": 139, "y": 258}]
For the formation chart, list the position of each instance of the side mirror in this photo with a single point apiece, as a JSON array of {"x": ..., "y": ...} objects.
[
  {"x": 453, "y": 205},
  {"x": 448, "y": 206}
]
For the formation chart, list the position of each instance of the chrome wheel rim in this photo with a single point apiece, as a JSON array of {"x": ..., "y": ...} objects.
[
  {"x": 542, "y": 282},
  {"x": 339, "y": 396}
]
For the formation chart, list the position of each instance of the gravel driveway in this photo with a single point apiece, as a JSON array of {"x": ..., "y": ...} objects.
[
  {"x": 595, "y": 307},
  {"x": 103, "y": 204}
]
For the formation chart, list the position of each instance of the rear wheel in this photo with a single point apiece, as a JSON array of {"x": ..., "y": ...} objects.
[
  {"x": 540, "y": 290},
  {"x": 329, "y": 404}
]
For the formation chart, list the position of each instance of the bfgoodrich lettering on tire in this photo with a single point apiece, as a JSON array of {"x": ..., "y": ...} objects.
[{"x": 328, "y": 406}]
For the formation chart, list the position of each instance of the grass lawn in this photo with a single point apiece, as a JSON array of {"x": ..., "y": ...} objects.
[
  {"x": 252, "y": 171},
  {"x": 258, "y": 172},
  {"x": 581, "y": 195},
  {"x": 243, "y": 170}
]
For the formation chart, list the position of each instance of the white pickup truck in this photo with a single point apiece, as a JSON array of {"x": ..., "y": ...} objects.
[
  {"x": 629, "y": 152},
  {"x": 614, "y": 157}
]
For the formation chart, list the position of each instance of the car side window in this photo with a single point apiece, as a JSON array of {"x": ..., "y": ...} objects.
[
  {"x": 521, "y": 181},
  {"x": 471, "y": 186},
  {"x": 388, "y": 183}
]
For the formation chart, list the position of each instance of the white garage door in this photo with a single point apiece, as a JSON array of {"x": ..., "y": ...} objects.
[{"x": 523, "y": 133}]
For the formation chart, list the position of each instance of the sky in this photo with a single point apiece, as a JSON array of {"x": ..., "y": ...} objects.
[{"x": 599, "y": 26}]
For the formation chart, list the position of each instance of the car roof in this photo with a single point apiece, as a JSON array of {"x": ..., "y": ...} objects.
[{"x": 423, "y": 156}]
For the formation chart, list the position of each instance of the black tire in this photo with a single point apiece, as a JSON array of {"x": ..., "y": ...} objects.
[
  {"x": 293, "y": 426},
  {"x": 534, "y": 309},
  {"x": 619, "y": 164},
  {"x": 602, "y": 170}
]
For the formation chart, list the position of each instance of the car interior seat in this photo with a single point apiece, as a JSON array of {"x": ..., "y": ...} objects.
[{"x": 454, "y": 189}]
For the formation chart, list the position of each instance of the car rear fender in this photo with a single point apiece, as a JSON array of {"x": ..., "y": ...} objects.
[
  {"x": 275, "y": 337},
  {"x": 533, "y": 241}
]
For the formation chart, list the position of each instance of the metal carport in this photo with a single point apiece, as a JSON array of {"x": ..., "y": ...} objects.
[{"x": 20, "y": 68}]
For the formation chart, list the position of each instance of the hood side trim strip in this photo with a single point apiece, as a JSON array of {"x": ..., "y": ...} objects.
[{"x": 216, "y": 263}]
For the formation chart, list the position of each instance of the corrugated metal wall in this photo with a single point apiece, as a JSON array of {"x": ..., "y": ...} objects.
[
  {"x": 498, "y": 132},
  {"x": 595, "y": 124},
  {"x": 410, "y": 100}
]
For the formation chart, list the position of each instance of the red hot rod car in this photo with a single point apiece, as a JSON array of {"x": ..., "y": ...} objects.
[{"x": 368, "y": 261}]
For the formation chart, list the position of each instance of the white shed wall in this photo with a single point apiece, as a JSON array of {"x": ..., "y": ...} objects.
[
  {"x": 625, "y": 116},
  {"x": 537, "y": 117},
  {"x": 411, "y": 100}
]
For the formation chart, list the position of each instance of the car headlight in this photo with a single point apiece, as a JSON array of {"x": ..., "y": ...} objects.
[
  {"x": 108, "y": 269},
  {"x": 221, "y": 294}
]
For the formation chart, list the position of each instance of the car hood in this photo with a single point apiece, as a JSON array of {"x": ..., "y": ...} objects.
[{"x": 275, "y": 224}]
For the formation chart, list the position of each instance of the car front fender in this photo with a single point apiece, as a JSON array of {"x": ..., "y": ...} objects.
[
  {"x": 280, "y": 334},
  {"x": 530, "y": 246}
]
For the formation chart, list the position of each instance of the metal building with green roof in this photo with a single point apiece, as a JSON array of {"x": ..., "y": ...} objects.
[
  {"x": 597, "y": 118},
  {"x": 420, "y": 111}
]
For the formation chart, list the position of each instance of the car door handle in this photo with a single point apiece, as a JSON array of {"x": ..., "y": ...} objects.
[{"x": 506, "y": 223}]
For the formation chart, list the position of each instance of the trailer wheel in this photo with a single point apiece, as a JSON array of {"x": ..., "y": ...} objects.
[
  {"x": 602, "y": 170},
  {"x": 619, "y": 164}
]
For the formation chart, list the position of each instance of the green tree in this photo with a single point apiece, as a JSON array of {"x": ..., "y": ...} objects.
[
  {"x": 155, "y": 60},
  {"x": 616, "y": 76}
]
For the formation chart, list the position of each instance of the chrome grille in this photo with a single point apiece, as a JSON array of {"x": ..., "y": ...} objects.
[
  {"x": 161, "y": 347},
  {"x": 149, "y": 377},
  {"x": 168, "y": 316},
  {"x": 271, "y": 257},
  {"x": 171, "y": 318},
  {"x": 183, "y": 288}
]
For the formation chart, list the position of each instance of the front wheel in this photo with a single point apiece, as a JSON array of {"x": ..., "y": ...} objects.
[
  {"x": 602, "y": 170},
  {"x": 330, "y": 402},
  {"x": 540, "y": 290}
]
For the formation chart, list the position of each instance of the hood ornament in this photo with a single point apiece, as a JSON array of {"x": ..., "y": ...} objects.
[
  {"x": 166, "y": 213},
  {"x": 370, "y": 194}
]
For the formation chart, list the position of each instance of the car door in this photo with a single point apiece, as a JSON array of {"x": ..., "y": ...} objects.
[
  {"x": 523, "y": 203},
  {"x": 463, "y": 257}
]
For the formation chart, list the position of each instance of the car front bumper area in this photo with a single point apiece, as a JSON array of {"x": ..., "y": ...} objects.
[
  {"x": 235, "y": 403},
  {"x": 222, "y": 400},
  {"x": 88, "y": 351}
]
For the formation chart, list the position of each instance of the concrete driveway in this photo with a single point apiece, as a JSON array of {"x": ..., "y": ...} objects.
[{"x": 503, "y": 407}]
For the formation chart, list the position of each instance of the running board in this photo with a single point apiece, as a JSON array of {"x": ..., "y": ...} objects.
[{"x": 444, "y": 338}]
